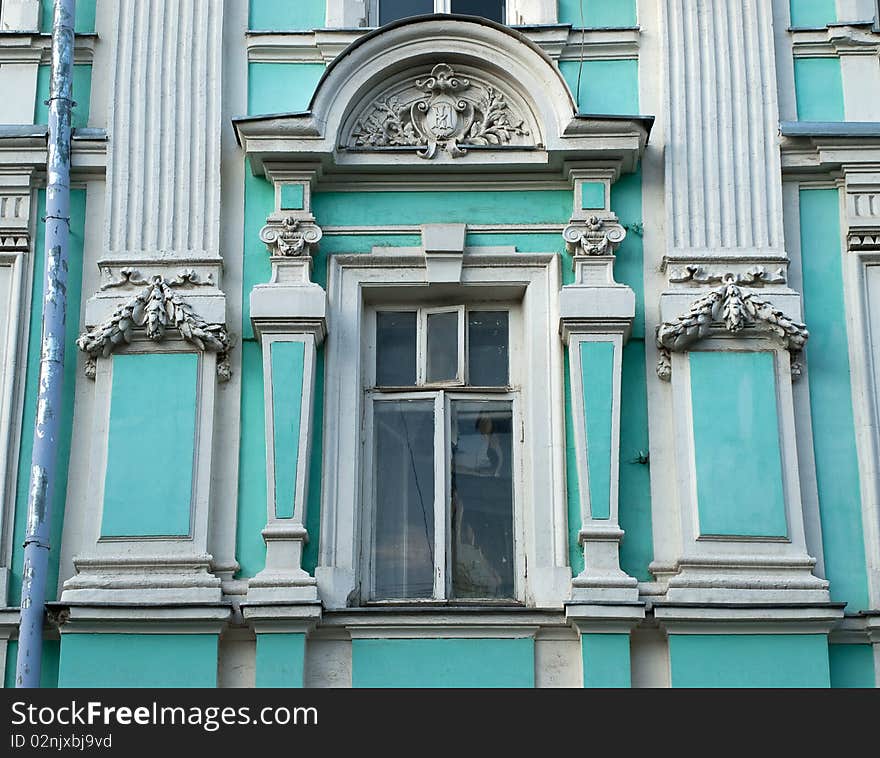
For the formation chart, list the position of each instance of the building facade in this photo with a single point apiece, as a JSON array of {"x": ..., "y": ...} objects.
[{"x": 452, "y": 343}]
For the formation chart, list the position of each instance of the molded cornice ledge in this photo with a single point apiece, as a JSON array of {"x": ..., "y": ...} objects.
[{"x": 437, "y": 93}]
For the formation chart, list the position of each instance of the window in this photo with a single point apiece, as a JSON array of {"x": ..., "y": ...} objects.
[
  {"x": 386, "y": 11},
  {"x": 441, "y": 451}
]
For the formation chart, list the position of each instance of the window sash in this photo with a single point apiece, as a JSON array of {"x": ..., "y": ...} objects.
[
  {"x": 442, "y": 399},
  {"x": 440, "y": 6}
]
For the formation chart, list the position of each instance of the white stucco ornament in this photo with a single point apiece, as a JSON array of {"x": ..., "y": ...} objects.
[
  {"x": 443, "y": 111},
  {"x": 595, "y": 236},
  {"x": 734, "y": 308},
  {"x": 291, "y": 236}
]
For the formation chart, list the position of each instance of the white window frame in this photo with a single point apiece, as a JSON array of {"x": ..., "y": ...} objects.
[
  {"x": 440, "y": 6},
  {"x": 532, "y": 279},
  {"x": 442, "y": 395}
]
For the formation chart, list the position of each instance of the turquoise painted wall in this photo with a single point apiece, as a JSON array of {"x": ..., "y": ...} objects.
[
  {"x": 281, "y": 87},
  {"x": 284, "y": 15},
  {"x": 852, "y": 666},
  {"x": 478, "y": 207},
  {"x": 138, "y": 660},
  {"x": 288, "y": 365},
  {"x": 153, "y": 406},
  {"x": 813, "y": 13},
  {"x": 607, "y": 87},
  {"x": 736, "y": 444},
  {"x": 82, "y": 89},
  {"x": 606, "y": 660},
  {"x": 443, "y": 663},
  {"x": 749, "y": 660},
  {"x": 74, "y": 299},
  {"x": 597, "y": 13},
  {"x": 818, "y": 89},
  {"x": 597, "y": 381},
  {"x": 834, "y": 442},
  {"x": 48, "y": 666},
  {"x": 84, "y": 23},
  {"x": 280, "y": 660},
  {"x": 250, "y": 549}
]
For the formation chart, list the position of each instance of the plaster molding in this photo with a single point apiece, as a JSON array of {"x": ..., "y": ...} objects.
[
  {"x": 156, "y": 308},
  {"x": 594, "y": 236},
  {"x": 836, "y": 40},
  {"x": 291, "y": 236},
  {"x": 444, "y": 111},
  {"x": 755, "y": 276},
  {"x": 733, "y": 308}
]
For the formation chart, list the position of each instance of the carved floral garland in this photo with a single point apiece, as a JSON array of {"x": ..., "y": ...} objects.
[
  {"x": 156, "y": 308},
  {"x": 735, "y": 308}
]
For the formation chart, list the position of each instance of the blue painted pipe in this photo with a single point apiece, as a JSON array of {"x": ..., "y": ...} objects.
[{"x": 49, "y": 401}]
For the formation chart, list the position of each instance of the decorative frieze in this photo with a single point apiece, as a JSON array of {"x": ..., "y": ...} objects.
[
  {"x": 755, "y": 276},
  {"x": 156, "y": 308},
  {"x": 442, "y": 111},
  {"x": 14, "y": 217},
  {"x": 732, "y": 308}
]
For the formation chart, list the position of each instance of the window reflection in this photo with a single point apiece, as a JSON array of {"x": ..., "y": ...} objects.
[{"x": 482, "y": 500}]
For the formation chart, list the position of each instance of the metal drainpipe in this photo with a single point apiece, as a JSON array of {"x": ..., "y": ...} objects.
[{"x": 48, "y": 418}]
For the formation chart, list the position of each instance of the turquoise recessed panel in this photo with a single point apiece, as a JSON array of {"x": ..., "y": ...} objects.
[
  {"x": 606, "y": 660},
  {"x": 834, "y": 439},
  {"x": 71, "y": 375},
  {"x": 151, "y": 445},
  {"x": 736, "y": 444},
  {"x": 281, "y": 87},
  {"x": 443, "y": 663},
  {"x": 852, "y": 666},
  {"x": 292, "y": 197},
  {"x": 250, "y": 549},
  {"x": 597, "y": 13},
  {"x": 84, "y": 21},
  {"x": 48, "y": 666},
  {"x": 288, "y": 365},
  {"x": 818, "y": 89},
  {"x": 478, "y": 207},
  {"x": 284, "y": 15},
  {"x": 280, "y": 660},
  {"x": 597, "y": 380},
  {"x": 606, "y": 87},
  {"x": 593, "y": 195},
  {"x": 749, "y": 660},
  {"x": 813, "y": 13},
  {"x": 82, "y": 89},
  {"x": 138, "y": 660}
]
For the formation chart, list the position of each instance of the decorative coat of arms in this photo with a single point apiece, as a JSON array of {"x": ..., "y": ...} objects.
[{"x": 444, "y": 112}]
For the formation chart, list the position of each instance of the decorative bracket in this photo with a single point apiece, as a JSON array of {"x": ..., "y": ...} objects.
[
  {"x": 734, "y": 309},
  {"x": 156, "y": 308},
  {"x": 291, "y": 236},
  {"x": 594, "y": 236}
]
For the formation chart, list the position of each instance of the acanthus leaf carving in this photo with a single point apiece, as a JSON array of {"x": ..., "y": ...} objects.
[
  {"x": 734, "y": 308},
  {"x": 595, "y": 236},
  {"x": 156, "y": 308},
  {"x": 291, "y": 236},
  {"x": 443, "y": 112}
]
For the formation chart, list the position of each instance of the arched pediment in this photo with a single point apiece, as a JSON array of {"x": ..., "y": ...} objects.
[{"x": 455, "y": 89}]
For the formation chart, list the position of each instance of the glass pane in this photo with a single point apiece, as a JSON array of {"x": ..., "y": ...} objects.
[
  {"x": 482, "y": 499},
  {"x": 493, "y": 9},
  {"x": 442, "y": 346},
  {"x": 396, "y": 349},
  {"x": 403, "y": 557},
  {"x": 391, "y": 10},
  {"x": 488, "y": 336}
]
